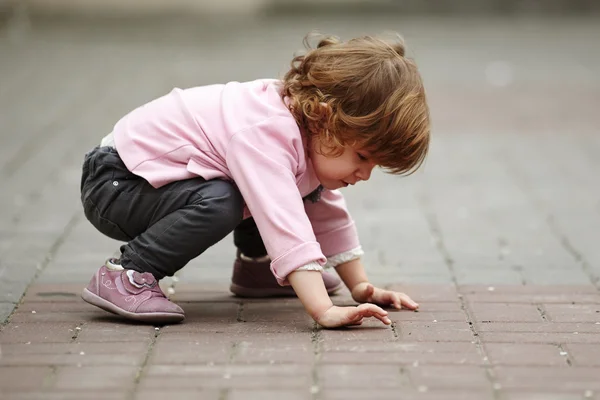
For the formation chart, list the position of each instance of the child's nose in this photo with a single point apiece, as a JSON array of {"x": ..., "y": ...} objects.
[{"x": 364, "y": 172}]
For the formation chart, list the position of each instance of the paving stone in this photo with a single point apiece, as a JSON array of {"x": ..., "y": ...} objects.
[
  {"x": 24, "y": 378},
  {"x": 5, "y": 310},
  {"x": 411, "y": 358},
  {"x": 584, "y": 355},
  {"x": 520, "y": 394},
  {"x": 539, "y": 337},
  {"x": 344, "y": 376},
  {"x": 160, "y": 394},
  {"x": 182, "y": 377},
  {"x": 38, "y": 333},
  {"x": 74, "y": 354},
  {"x": 98, "y": 378},
  {"x": 573, "y": 312},
  {"x": 526, "y": 354},
  {"x": 115, "y": 331},
  {"x": 269, "y": 352},
  {"x": 494, "y": 210},
  {"x": 270, "y": 394},
  {"x": 193, "y": 353},
  {"x": 543, "y": 327},
  {"x": 449, "y": 377},
  {"x": 53, "y": 293},
  {"x": 434, "y": 331},
  {"x": 53, "y": 394},
  {"x": 405, "y": 394},
  {"x": 562, "y": 379},
  {"x": 506, "y": 312}
]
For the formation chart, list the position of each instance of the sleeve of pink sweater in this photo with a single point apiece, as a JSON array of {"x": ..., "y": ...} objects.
[
  {"x": 332, "y": 223},
  {"x": 262, "y": 163}
]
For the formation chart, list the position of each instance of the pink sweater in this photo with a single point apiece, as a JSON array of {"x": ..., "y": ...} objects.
[{"x": 241, "y": 132}]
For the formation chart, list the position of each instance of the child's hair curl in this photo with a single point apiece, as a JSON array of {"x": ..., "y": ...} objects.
[{"x": 374, "y": 95}]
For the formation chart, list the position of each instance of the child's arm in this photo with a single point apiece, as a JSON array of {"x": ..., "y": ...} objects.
[
  {"x": 311, "y": 291},
  {"x": 354, "y": 276}
]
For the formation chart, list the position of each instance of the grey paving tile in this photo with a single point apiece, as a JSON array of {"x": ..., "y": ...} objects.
[{"x": 5, "y": 310}]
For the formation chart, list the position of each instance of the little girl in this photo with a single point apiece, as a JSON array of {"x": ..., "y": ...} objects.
[{"x": 264, "y": 159}]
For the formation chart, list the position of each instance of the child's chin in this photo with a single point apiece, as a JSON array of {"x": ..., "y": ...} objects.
[{"x": 332, "y": 185}]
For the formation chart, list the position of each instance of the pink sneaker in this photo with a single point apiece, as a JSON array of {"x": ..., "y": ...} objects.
[
  {"x": 131, "y": 294},
  {"x": 255, "y": 279}
]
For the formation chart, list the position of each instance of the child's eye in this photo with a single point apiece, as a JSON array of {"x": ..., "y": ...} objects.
[{"x": 361, "y": 157}]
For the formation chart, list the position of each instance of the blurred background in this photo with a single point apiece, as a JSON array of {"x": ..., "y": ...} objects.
[{"x": 509, "y": 194}]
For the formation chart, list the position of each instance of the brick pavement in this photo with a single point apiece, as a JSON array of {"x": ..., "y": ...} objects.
[{"x": 496, "y": 237}]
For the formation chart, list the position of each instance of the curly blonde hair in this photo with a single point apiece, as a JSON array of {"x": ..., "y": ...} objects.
[{"x": 374, "y": 95}]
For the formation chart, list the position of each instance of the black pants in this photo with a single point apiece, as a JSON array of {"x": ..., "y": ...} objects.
[{"x": 164, "y": 228}]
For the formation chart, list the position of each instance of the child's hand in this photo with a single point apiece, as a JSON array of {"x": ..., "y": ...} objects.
[
  {"x": 336, "y": 316},
  {"x": 364, "y": 292}
]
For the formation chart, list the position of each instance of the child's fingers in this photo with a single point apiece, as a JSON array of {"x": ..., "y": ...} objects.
[
  {"x": 397, "y": 301},
  {"x": 371, "y": 310},
  {"x": 407, "y": 302}
]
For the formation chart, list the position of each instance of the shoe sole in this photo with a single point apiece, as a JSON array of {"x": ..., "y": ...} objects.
[
  {"x": 284, "y": 291},
  {"x": 154, "y": 318}
]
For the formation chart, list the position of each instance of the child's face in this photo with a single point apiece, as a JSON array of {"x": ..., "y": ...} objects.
[{"x": 336, "y": 172}]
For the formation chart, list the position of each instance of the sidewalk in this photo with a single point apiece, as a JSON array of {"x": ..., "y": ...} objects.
[{"x": 497, "y": 238}]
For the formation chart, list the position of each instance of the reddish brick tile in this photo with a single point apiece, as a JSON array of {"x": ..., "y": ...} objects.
[
  {"x": 298, "y": 394},
  {"x": 428, "y": 293},
  {"x": 436, "y": 306},
  {"x": 434, "y": 331},
  {"x": 544, "y": 327},
  {"x": 584, "y": 355},
  {"x": 455, "y": 377},
  {"x": 53, "y": 293},
  {"x": 349, "y": 358},
  {"x": 405, "y": 394},
  {"x": 344, "y": 376},
  {"x": 505, "y": 312},
  {"x": 78, "y": 306},
  {"x": 225, "y": 313},
  {"x": 549, "y": 378},
  {"x": 541, "y": 394},
  {"x": 370, "y": 330},
  {"x": 169, "y": 352},
  {"x": 400, "y": 352},
  {"x": 426, "y": 315},
  {"x": 529, "y": 290},
  {"x": 525, "y": 354},
  {"x": 177, "y": 394},
  {"x": 57, "y": 354},
  {"x": 254, "y": 376},
  {"x": 198, "y": 328},
  {"x": 539, "y": 337},
  {"x": 298, "y": 325},
  {"x": 213, "y": 292},
  {"x": 13, "y": 378},
  {"x": 263, "y": 352},
  {"x": 168, "y": 334},
  {"x": 116, "y": 331},
  {"x": 43, "y": 332},
  {"x": 363, "y": 346},
  {"x": 533, "y": 298},
  {"x": 275, "y": 313},
  {"x": 56, "y": 316},
  {"x": 52, "y": 394},
  {"x": 573, "y": 312},
  {"x": 109, "y": 378}
]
